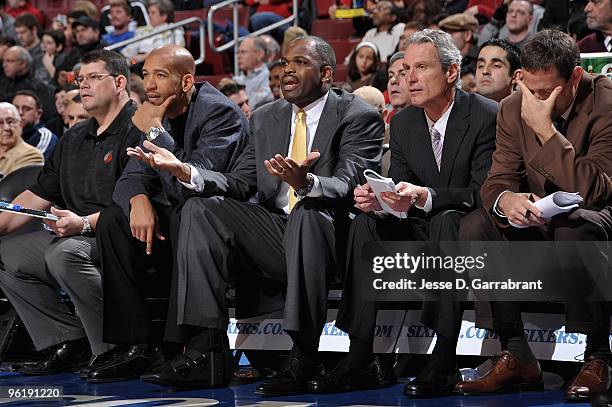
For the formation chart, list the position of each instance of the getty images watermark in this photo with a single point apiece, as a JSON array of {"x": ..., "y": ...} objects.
[{"x": 495, "y": 271}]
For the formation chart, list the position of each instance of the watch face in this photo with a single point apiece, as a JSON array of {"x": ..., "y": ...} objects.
[{"x": 153, "y": 133}]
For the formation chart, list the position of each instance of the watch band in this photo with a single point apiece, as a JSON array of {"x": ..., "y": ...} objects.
[
  {"x": 87, "y": 229},
  {"x": 305, "y": 190}
]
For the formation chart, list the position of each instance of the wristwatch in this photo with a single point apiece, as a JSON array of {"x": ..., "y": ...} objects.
[
  {"x": 305, "y": 190},
  {"x": 154, "y": 132},
  {"x": 87, "y": 230}
]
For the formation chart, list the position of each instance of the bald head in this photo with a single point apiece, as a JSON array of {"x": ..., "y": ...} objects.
[{"x": 177, "y": 58}]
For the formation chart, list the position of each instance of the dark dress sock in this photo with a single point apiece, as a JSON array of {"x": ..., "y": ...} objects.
[
  {"x": 516, "y": 343},
  {"x": 444, "y": 354},
  {"x": 360, "y": 353},
  {"x": 597, "y": 344}
]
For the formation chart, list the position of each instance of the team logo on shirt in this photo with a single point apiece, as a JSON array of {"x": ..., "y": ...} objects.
[{"x": 108, "y": 157}]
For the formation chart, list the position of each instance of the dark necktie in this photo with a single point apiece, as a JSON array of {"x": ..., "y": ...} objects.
[{"x": 559, "y": 124}]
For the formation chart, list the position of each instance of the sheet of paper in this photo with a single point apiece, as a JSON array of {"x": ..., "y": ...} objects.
[
  {"x": 380, "y": 184},
  {"x": 556, "y": 203}
]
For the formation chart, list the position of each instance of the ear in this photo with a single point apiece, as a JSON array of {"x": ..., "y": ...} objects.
[
  {"x": 516, "y": 75},
  {"x": 187, "y": 82},
  {"x": 327, "y": 74},
  {"x": 468, "y": 35},
  {"x": 122, "y": 83},
  {"x": 453, "y": 72},
  {"x": 577, "y": 76}
]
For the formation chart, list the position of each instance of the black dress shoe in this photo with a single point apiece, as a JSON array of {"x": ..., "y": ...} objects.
[
  {"x": 195, "y": 369},
  {"x": 97, "y": 361},
  {"x": 375, "y": 375},
  {"x": 291, "y": 378},
  {"x": 126, "y": 364},
  {"x": 433, "y": 382},
  {"x": 64, "y": 357}
]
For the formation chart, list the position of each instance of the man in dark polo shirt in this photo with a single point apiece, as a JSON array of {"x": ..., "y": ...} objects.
[{"x": 79, "y": 177}]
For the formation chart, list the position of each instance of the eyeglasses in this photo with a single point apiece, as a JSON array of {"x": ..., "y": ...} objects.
[
  {"x": 79, "y": 80},
  {"x": 9, "y": 122}
]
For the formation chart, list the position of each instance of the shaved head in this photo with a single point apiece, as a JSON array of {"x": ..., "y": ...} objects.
[{"x": 179, "y": 60}]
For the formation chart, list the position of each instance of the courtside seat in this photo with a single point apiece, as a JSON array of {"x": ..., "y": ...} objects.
[{"x": 333, "y": 29}]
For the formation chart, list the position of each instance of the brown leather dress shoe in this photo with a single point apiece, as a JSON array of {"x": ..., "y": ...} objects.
[
  {"x": 507, "y": 375},
  {"x": 595, "y": 377}
]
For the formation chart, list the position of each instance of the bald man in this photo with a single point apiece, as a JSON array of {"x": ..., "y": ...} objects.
[{"x": 206, "y": 130}]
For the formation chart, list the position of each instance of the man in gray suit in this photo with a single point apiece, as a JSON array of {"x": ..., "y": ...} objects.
[
  {"x": 441, "y": 147},
  {"x": 283, "y": 249},
  {"x": 206, "y": 131}
]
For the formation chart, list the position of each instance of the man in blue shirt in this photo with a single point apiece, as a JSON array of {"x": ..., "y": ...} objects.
[{"x": 34, "y": 131}]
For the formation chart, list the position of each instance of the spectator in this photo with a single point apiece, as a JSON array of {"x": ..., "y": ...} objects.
[
  {"x": 399, "y": 98},
  {"x": 5, "y": 43},
  {"x": 53, "y": 43},
  {"x": 87, "y": 38},
  {"x": 374, "y": 98},
  {"x": 255, "y": 76},
  {"x": 120, "y": 17},
  {"x": 137, "y": 90},
  {"x": 363, "y": 67},
  {"x": 467, "y": 80},
  {"x": 16, "y": 64},
  {"x": 274, "y": 80},
  {"x": 423, "y": 10},
  {"x": 14, "y": 153},
  {"x": 497, "y": 68},
  {"x": 518, "y": 22},
  {"x": 273, "y": 48},
  {"x": 75, "y": 112},
  {"x": 409, "y": 29},
  {"x": 291, "y": 34},
  {"x": 7, "y": 22},
  {"x": 27, "y": 30},
  {"x": 161, "y": 14},
  {"x": 15, "y": 8},
  {"x": 599, "y": 18},
  {"x": 34, "y": 131},
  {"x": 268, "y": 12},
  {"x": 463, "y": 28},
  {"x": 236, "y": 94},
  {"x": 387, "y": 30}
]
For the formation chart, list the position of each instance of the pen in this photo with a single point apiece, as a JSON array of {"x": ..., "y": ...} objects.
[{"x": 528, "y": 213}]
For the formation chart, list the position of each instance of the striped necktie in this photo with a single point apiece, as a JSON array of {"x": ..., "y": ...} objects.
[
  {"x": 299, "y": 149},
  {"x": 436, "y": 145}
]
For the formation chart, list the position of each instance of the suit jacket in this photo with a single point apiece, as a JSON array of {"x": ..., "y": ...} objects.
[
  {"x": 466, "y": 155},
  {"x": 579, "y": 160},
  {"x": 349, "y": 137},
  {"x": 593, "y": 43},
  {"x": 215, "y": 133}
]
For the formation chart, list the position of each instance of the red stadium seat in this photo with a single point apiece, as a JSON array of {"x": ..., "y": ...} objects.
[
  {"x": 333, "y": 29},
  {"x": 341, "y": 73},
  {"x": 323, "y": 6},
  {"x": 342, "y": 48},
  {"x": 212, "y": 79}
]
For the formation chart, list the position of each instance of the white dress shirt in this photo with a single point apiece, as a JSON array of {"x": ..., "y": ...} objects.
[
  {"x": 313, "y": 115},
  {"x": 440, "y": 126}
]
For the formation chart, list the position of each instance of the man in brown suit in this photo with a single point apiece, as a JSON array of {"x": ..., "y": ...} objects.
[{"x": 554, "y": 135}]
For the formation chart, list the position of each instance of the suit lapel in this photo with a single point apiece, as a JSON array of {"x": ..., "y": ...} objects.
[
  {"x": 326, "y": 128},
  {"x": 277, "y": 138},
  {"x": 456, "y": 130},
  {"x": 423, "y": 149}
]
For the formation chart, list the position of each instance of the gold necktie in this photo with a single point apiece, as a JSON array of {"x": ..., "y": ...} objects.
[{"x": 299, "y": 149}]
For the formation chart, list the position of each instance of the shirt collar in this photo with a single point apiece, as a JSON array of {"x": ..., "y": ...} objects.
[
  {"x": 442, "y": 122},
  {"x": 117, "y": 124},
  {"x": 315, "y": 109}
]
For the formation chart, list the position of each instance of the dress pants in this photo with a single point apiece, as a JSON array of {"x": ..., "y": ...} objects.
[
  {"x": 358, "y": 317},
  {"x": 277, "y": 262},
  {"x": 130, "y": 275},
  {"x": 36, "y": 266},
  {"x": 581, "y": 225}
]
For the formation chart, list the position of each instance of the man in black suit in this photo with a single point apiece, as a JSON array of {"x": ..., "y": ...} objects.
[
  {"x": 283, "y": 248},
  {"x": 441, "y": 147},
  {"x": 205, "y": 130}
]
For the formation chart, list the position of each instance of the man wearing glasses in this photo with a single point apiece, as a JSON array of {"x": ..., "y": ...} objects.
[
  {"x": 80, "y": 178},
  {"x": 14, "y": 152}
]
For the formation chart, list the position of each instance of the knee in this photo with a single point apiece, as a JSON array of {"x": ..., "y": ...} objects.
[
  {"x": 584, "y": 232},
  {"x": 199, "y": 209},
  {"x": 306, "y": 214},
  {"x": 474, "y": 225},
  {"x": 61, "y": 257}
]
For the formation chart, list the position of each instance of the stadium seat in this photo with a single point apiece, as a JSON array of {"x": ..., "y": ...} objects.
[
  {"x": 17, "y": 181},
  {"x": 342, "y": 48},
  {"x": 333, "y": 29},
  {"x": 323, "y": 6},
  {"x": 212, "y": 79}
]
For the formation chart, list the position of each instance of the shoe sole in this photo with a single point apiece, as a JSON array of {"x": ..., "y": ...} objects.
[
  {"x": 66, "y": 369},
  {"x": 577, "y": 399},
  {"x": 517, "y": 388}
]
